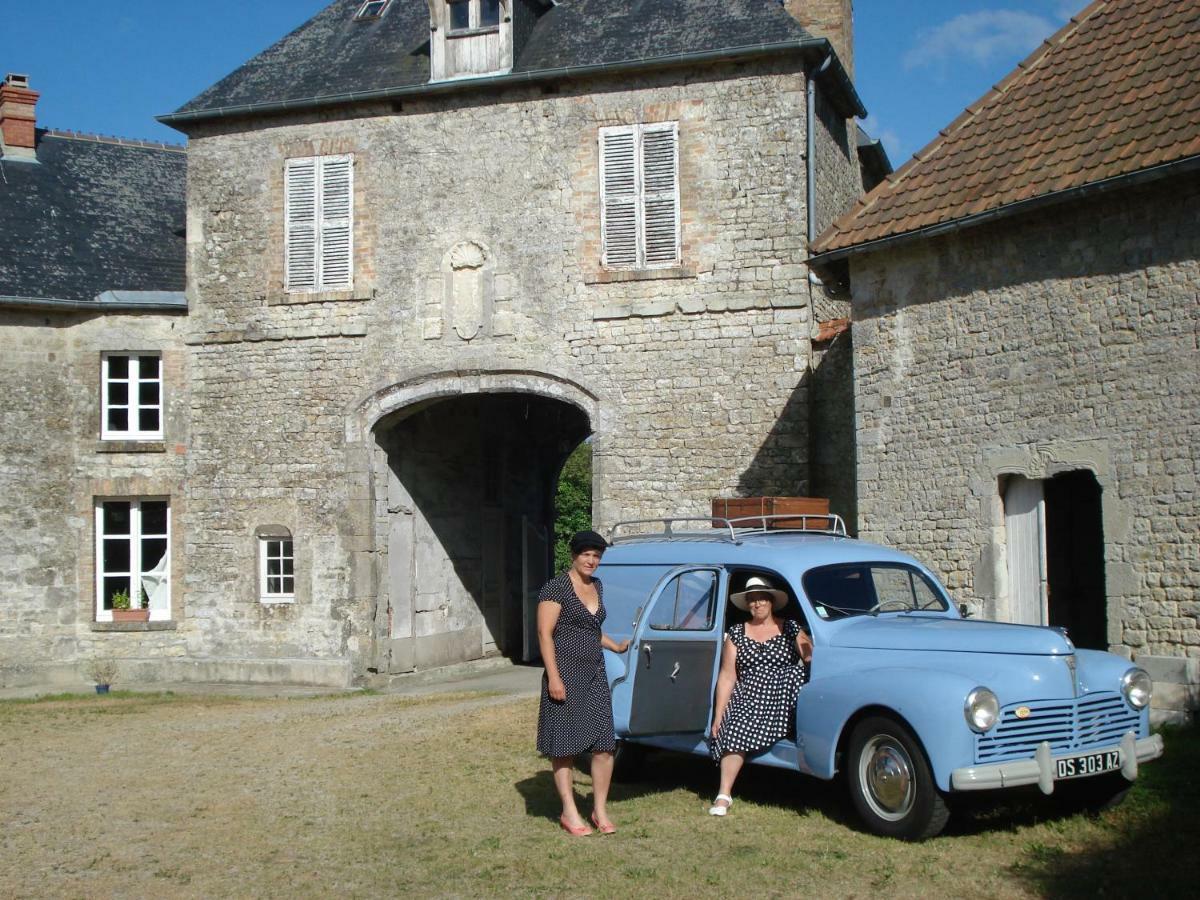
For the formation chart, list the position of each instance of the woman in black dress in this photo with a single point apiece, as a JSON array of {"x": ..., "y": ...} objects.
[
  {"x": 576, "y": 711},
  {"x": 762, "y": 668}
]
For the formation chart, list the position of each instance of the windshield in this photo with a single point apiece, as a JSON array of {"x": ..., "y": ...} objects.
[{"x": 856, "y": 589}]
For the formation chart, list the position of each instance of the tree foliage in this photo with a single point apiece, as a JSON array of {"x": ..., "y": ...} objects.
[{"x": 572, "y": 503}]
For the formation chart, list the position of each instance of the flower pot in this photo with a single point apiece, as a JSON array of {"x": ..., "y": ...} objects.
[
  {"x": 102, "y": 689},
  {"x": 131, "y": 615}
]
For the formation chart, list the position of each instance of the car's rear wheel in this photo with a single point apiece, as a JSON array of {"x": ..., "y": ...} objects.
[
  {"x": 1092, "y": 795},
  {"x": 891, "y": 784},
  {"x": 627, "y": 761}
]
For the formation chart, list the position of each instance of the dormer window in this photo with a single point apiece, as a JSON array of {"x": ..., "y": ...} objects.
[
  {"x": 473, "y": 15},
  {"x": 372, "y": 9},
  {"x": 469, "y": 38}
]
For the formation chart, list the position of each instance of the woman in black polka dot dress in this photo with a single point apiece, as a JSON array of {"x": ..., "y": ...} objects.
[
  {"x": 762, "y": 668},
  {"x": 576, "y": 711}
]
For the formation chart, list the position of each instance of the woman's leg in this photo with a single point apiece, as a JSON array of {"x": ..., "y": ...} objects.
[
  {"x": 731, "y": 765},
  {"x": 602, "y": 769},
  {"x": 564, "y": 781}
]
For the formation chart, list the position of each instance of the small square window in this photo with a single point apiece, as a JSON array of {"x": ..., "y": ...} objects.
[
  {"x": 131, "y": 397},
  {"x": 489, "y": 13},
  {"x": 372, "y": 9}
]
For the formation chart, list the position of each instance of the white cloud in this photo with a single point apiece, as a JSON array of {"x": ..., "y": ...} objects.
[
  {"x": 886, "y": 136},
  {"x": 979, "y": 38}
]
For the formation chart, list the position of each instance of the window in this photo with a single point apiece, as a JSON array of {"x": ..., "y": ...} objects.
[
  {"x": 686, "y": 603},
  {"x": 131, "y": 396},
  {"x": 856, "y": 588},
  {"x": 276, "y": 566},
  {"x": 372, "y": 9},
  {"x": 319, "y": 238},
  {"x": 133, "y": 552},
  {"x": 639, "y": 196},
  {"x": 467, "y": 15}
]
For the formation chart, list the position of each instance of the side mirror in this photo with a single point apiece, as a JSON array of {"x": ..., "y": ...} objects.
[{"x": 964, "y": 610}]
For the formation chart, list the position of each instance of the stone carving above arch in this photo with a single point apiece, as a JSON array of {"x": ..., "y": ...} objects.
[{"x": 469, "y": 294}]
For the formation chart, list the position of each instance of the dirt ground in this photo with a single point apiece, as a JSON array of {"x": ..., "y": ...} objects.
[{"x": 444, "y": 796}]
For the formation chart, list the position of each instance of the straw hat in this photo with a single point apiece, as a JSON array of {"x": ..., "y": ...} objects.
[{"x": 758, "y": 585}]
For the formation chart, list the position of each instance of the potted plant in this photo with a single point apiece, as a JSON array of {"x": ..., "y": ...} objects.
[
  {"x": 124, "y": 611},
  {"x": 102, "y": 671}
]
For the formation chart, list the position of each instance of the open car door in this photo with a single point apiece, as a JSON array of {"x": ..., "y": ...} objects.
[{"x": 677, "y": 644}]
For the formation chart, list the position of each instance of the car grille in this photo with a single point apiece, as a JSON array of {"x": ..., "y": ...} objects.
[{"x": 1097, "y": 720}]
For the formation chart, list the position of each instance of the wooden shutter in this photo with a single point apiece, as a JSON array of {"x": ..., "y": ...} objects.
[
  {"x": 619, "y": 197},
  {"x": 300, "y": 216},
  {"x": 319, "y": 223},
  {"x": 337, "y": 201},
  {"x": 660, "y": 194}
]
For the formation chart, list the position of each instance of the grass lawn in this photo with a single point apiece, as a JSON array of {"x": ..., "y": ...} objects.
[{"x": 378, "y": 795}]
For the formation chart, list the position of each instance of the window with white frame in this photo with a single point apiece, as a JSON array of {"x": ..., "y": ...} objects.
[
  {"x": 319, "y": 230},
  {"x": 372, "y": 9},
  {"x": 131, "y": 400},
  {"x": 133, "y": 556},
  {"x": 639, "y": 196},
  {"x": 276, "y": 566},
  {"x": 469, "y": 15}
]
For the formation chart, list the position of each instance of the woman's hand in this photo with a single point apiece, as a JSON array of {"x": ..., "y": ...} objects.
[
  {"x": 556, "y": 688},
  {"x": 716, "y": 727},
  {"x": 804, "y": 646},
  {"x": 609, "y": 644}
]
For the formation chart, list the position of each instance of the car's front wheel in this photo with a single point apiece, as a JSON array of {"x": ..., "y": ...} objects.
[{"x": 891, "y": 784}]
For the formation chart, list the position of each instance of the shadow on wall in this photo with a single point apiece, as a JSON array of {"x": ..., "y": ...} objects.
[
  {"x": 1115, "y": 236},
  {"x": 780, "y": 465}
]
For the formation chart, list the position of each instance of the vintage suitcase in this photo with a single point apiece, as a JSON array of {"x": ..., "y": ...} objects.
[{"x": 811, "y": 508}]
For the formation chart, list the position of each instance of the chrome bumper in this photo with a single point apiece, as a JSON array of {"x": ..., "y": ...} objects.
[{"x": 1040, "y": 770}]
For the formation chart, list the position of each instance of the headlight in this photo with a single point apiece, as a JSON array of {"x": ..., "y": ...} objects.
[
  {"x": 981, "y": 709},
  {"x": 1137, "y": 686}
]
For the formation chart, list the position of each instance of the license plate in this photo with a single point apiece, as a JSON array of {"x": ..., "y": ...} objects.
[{"x": 1088, "y": 764}]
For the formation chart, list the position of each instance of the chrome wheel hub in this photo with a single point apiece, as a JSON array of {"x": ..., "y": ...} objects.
[{"x": 886, "y": 775}]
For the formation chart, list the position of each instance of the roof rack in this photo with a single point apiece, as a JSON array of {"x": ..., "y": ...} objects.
[{"x": 732, "y": 530}]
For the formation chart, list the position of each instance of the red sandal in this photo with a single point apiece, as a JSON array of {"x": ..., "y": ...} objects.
[
  {"x": 573, "y": 830},
  {"x": 610, "y": 828}
]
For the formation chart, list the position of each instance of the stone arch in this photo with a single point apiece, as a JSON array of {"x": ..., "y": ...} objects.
[{"x": 455, "y": 470}]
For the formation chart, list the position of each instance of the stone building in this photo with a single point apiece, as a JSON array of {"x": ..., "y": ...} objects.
[
  {"x": 431, "y": 247},
  {"x": 1026, "y": 311},
  {"x": 92, "y": 313}
]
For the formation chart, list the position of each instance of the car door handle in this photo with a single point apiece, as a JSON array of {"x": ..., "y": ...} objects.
[
  {"x": 649, "y": 654},
  {"x": 675, "y": 671}
]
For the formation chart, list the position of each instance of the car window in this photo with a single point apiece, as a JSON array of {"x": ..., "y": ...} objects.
[
  {"x": 687, "y": 603},
  {"x": 862, "y": 588}
]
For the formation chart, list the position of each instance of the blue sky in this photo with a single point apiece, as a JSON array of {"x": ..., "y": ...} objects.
[{"x": 110, "y": 66}]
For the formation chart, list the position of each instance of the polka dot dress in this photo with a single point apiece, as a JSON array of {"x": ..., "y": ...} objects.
[
  {"x": 763, "y": 704},
  {"x": 584, "y": 720}
]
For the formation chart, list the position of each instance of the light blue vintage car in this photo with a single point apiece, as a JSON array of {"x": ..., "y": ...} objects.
[{"x": 908, "y": 700}]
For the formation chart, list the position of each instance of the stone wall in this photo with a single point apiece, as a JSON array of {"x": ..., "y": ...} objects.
[
  {"x": 1036, "y": 345},
  {"x": 55, "y": 467},
  {"x": 694, "y": 377}
]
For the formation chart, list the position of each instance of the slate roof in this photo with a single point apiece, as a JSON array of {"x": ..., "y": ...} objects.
[
  {"x": 333, "y": 56},
  {"x": 1115, "y": 92},
  {"x": 92, "y": 215}
]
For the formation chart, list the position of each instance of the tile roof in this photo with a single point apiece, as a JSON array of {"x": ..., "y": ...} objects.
[
  {"x": 332, "y": 55},
  {"x": 92, "y": 215},
  {"x": 1115, "y": 92}
]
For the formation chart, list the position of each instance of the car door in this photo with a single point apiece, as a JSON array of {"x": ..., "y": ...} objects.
[{"x": 676, "y": 648}]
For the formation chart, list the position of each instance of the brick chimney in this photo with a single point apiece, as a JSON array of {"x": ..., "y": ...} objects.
[
  {"x": 18, "y": 118},
  {"x": 832, "y": 19}
]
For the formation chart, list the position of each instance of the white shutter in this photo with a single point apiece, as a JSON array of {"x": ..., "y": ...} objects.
[
  {"x": 619, "y": 194},
  {"x": 300, "y": 217},
  {"x": 337, "y": 202},
  {"x": 660, "y": 192}
]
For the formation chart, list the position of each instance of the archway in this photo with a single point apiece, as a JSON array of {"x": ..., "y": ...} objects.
[{"x": 463, "y": 483}]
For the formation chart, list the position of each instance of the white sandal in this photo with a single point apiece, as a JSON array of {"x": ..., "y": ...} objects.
[{"x": 716, "y": 810}]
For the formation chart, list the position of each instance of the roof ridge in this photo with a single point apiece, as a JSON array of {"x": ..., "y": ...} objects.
[
  {"x": 111, "y": 139},
  {"x": 970, "y": 113}
]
